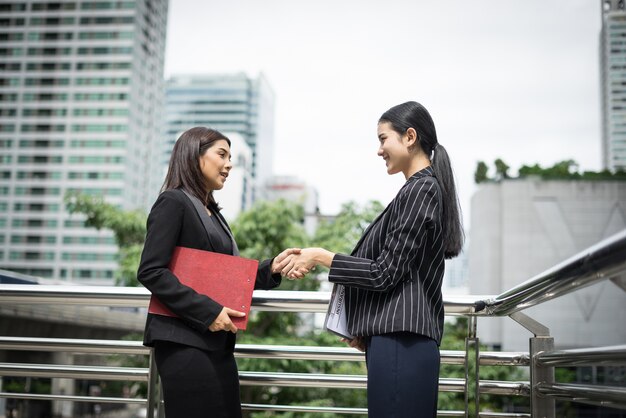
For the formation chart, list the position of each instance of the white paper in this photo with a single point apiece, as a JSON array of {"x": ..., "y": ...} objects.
[{"x": 336, "y": 318}]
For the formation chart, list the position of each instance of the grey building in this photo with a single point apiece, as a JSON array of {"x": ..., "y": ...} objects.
[
  {"x": 81, "y": 96},
  {"x": 519, "y": 228},
  {"x": 613, "y": 84},
  {"x": 228, "y": 103}
]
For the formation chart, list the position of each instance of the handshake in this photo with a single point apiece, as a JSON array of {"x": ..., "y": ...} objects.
[{"x": 295, "y": 263}]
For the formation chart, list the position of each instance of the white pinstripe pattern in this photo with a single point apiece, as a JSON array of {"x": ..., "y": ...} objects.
[{"x": 393, "y": 276}]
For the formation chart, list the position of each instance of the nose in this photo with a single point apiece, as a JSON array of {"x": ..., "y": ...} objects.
[
  {"x": 380, "y": 151},
  {"x": 229, "y": 165}
]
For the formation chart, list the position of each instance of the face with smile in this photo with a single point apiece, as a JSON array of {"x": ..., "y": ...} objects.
[
  {"x": 394, "y": 148},
  {"x": 215, "y": 164}
]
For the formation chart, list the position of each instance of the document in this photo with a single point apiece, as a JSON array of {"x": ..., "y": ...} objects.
[
  {"x": 227, "y": 279},
  {"x": 336, "y": 317}
]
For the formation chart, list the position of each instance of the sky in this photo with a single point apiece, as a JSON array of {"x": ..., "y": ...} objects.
[{"x": 510, "y": 79}]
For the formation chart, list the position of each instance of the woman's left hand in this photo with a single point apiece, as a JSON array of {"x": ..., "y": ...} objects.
[{"x": 356, "y": 342}]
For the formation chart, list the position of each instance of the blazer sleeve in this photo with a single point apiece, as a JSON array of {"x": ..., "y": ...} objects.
[
  {"x": 412, "y": 216},
  {"x": 264, "y": 277},
  {"x": 163, "y": 230}
]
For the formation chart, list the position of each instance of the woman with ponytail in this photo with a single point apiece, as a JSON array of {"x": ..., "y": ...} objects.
[{"x": 393, "y": 277}]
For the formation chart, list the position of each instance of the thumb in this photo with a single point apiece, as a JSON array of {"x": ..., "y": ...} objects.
[{"x": 232, "y": 312}]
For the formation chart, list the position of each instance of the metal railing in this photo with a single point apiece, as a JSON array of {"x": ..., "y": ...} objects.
[{"x": 603, "y": 261}]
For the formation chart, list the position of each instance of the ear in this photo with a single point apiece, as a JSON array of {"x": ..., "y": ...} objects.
[{"x": 411, "y": 137}]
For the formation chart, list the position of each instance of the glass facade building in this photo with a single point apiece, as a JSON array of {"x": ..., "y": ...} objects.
[
  {"x": 228, "y": 103},
  {"x": 81, "y": 97},
  {"x": 613, "y": 80}
]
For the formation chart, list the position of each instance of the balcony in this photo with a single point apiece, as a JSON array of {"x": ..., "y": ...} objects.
[{"x": 606, "y": 260}]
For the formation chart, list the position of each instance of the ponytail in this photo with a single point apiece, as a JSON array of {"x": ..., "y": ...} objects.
[
  {"x": 414, "y": 115},
  {"x": 453, "y": 235}
]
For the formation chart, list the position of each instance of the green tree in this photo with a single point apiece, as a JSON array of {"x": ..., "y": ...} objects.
[
  {"x": 502, "y": 169},
  {"x": 480, "y": 175},
  {"x": 341, "y": 234},
  {"x": 129, "y": 229}
]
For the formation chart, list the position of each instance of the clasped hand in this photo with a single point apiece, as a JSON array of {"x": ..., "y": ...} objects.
[{"x": 295, "y": 263}]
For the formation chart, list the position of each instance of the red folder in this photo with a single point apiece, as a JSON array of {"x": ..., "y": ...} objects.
[{"x": 227, "y": 279}]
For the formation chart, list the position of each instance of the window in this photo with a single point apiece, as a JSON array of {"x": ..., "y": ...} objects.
[
  {"x": 40, "y": 159},
  {"x": 47, "y": 81},
  {"x": 100, "y": 112},
  {"x": 106, "y": 35},
  {"x": 51, "y": 21},
  {"x": 11, "y": 52},
  {"x": 106, "y": 5},
  {"x": 100, "y": 96},
  {"x": 37, "y": 191},
  {"x": 27, "y": 175},
  {"x": 34, "y": 223},
  {"x": 41, "y": 143},
  {"x": 103, "y": 66},
  {"x": 106, "y": 20},
  {"x": 43, "y": 128},
  {"x": 10, "y": 22},
  {"x": 97, "y": 143},
  {"x": 53, "y": 6},
  {"x": 104, "y": 50},
  {"x": 99, "y": 128},
  {"x": 48, "y": 66},
  {"x": 44, "y": 112},
  {"x": 8, "y": 97},
  {"x": 6, "y": 127},
  {"x": 113, "y": 81},
  {"x": 50, "y": 36},
  {"x": 7, "y": 112},
  {"x": 44, "y": 97},
  {"x": 12, "y": 7},
  {"x": 49, "y": 51},
  {"x": 73, "y": 175}
]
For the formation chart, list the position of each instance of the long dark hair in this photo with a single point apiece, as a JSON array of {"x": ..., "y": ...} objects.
[
  {"x": 184, "y": 169},
  {"x": 414, "y": 115}
]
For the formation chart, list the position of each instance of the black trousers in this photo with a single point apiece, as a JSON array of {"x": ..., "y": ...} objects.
[
  {"x": 402, "y": 376},
  {"x": 197, "y": 383}
]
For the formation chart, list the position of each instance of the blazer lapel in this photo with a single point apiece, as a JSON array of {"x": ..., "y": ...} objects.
[
  {"x": 204, "y": 216},
  {"x": 229, "y": 232}
]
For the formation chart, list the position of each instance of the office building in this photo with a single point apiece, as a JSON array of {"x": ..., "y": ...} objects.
[
  {"x": 522, "y": 227},
  {"x": 228, "y": 103},
  {"x": 613, "y": 84},
  {"x": 81, "y": 96},
  {"x": 293, "y": 189}
]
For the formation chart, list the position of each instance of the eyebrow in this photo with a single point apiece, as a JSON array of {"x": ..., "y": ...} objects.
[{"x": 223, "y": 149}]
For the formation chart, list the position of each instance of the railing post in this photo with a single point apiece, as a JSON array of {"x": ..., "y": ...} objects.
[
  {"x": 153, "y": 388},
  {"x": 540, "y": 406},
  {"x": 472, "y": 350}
]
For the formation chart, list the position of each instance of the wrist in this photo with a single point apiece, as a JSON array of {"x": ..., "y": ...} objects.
[{"x": 323, "y": 257}]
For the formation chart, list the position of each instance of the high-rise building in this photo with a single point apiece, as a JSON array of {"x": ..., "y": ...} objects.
[
  {"x": 228, "y": 103},
  {"x": 81, "y": 96},
  {"x": 522, "y": 227},
  {"x": 613, "y": 84}
]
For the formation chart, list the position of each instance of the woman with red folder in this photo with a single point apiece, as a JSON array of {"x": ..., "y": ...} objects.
[{"x": 194, "y": 351}]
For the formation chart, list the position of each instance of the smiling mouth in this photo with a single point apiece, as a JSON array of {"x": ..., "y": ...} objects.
[{"x": 224, "y": 175}]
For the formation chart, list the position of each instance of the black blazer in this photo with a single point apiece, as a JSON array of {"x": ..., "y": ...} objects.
[
  {"x": 175, "y": 221},
  {"x": 393, "y": 277}
]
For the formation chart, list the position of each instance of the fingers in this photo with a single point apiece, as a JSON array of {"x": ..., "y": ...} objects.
[
  {"x": 232, "y": 312},
  {"x": 278, "y": 265},
  {"x": 223, "y": 321}
]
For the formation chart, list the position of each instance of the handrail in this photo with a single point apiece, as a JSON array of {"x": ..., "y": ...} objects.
[
  {"x": 276, "y": 352},
  {"x": 612, "y": 396},
  {"x": 69, "y": 371},
  {"x": 599, "y": 262},
  {"x": 604, "y": 356},
  {"x": 262, "y": 300}
]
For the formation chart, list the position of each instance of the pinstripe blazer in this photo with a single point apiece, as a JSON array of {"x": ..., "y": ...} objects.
[{"x": 393, "y": 276}]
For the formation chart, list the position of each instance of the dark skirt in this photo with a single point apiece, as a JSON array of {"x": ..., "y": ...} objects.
[
  {"x": 197, "y": 383},
  {"x": 402, "y": 376}
]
